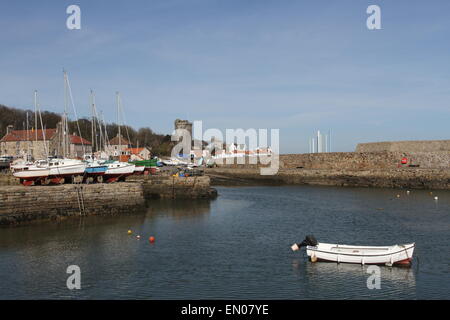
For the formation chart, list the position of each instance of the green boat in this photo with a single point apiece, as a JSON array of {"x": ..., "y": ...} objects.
[{"x": 145, "y": 163}]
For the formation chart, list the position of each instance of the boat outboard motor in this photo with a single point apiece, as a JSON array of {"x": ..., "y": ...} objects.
[{"x": 309, "y": 241}]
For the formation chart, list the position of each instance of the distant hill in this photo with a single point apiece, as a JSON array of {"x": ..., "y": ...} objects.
[{"x": 160, "y": 144}]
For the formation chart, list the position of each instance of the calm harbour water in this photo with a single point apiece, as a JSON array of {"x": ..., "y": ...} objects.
[{"x": 235, "y": 247}]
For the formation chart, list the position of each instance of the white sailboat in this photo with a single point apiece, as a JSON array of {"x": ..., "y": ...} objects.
[
  {"x": 28, "y": 172},
  {"x": 61, "y": 168},
  {"x": 118, "y": 170},
  {"x": 32, "y": 173}
]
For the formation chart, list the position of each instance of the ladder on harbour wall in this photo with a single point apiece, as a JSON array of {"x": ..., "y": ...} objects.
[{"x": 80, "y": 198}]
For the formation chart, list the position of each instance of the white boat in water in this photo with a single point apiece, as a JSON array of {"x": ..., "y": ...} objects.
[{"x": 382, "y": 255}]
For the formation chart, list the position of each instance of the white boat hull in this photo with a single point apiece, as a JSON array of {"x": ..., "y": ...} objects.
[
  {"x": 32, "y": 173},
  {"x": 389, "y": 255},
  {"x": 120, "y": 170},
  {"x": 69, "y": 170},
  {"x": 139, "y": 169}
]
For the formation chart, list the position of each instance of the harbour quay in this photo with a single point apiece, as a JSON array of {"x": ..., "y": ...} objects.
[
  {"x": 402, "y": 164},
  {"x": 19, "y": 204}
]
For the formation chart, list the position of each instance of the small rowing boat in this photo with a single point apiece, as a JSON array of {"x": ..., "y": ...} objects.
[{"x": 400, "y": 255}]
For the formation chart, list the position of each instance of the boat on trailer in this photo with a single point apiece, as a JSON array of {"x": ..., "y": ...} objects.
[
  {"x": 65, "y": 168},
  {"x": 32, "y": 173},
  {"x": 138, "y": 170},
  {"x": 118, "y": 171},
  {"x": 94, "y": 167},
  {"x": 96, "y": 170},
  {"x": 395, "y": 255}
]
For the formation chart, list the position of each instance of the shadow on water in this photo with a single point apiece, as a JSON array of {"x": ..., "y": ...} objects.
[{"x": 47, "y": 231}]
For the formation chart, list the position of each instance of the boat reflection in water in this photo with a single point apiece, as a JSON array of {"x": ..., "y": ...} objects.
[{"x": 324, "y": 280}]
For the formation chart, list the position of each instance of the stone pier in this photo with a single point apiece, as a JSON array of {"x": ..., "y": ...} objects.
[{"x": 19, "y": 204}]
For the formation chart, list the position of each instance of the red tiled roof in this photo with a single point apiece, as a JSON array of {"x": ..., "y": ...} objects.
[
  {"x": 21, "y": 135},
  {"x": 78, "y": 140}
]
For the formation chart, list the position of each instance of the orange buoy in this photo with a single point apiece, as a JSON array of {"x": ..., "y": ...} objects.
[{"x": 151, "y": 239}]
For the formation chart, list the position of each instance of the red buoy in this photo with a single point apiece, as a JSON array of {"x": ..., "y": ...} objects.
[
  {"x": 404, "y": 160},
  {"x": 151, "y": 239}
]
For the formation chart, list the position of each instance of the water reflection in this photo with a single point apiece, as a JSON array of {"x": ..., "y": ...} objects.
[
  {"x": 236, "y": 246},
  {"x": 180, "y": 209},
  {"x": 331, "y": 278}
]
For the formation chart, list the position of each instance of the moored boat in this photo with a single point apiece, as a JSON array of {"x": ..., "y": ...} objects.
[{"x": 400, "y": 255}]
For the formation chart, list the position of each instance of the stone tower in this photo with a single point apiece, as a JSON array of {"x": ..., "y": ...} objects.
[{"x": 183, "y": 124}]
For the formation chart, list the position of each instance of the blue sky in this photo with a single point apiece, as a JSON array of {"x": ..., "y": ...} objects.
[{"x": 296, "y": 65}]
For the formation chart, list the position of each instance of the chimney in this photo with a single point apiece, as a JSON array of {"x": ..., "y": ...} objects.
[{"x": 9, "y": 129}]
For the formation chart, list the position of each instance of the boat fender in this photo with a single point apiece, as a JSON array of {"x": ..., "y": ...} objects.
[{"x": 313, "y": 258}]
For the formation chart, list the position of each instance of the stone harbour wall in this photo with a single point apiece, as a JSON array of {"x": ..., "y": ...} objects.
[
  {"x": 177, "y": 187},
  {"x": 365, "y": 160},
  {"x": 355, "y": 160},
  {"x": 405, "y": 146},
  {"x": 22, "y": 204},
  {"x": 19, "y": 204},
  {"x": 7, "y": 179}
]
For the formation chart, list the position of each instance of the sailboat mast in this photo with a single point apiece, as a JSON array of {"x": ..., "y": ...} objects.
[
  {"x": 28, "y": 140},
  {"x": 118, "y": 123},
  {"x": 35, "y": 114},
  {"x": 43, "y": 130},
  {"x": 64, "y": 115},
  {"x": 97, "y": 145},
  {"x": 92, "y": 121},
  {"x": 106, "y": 132}
]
